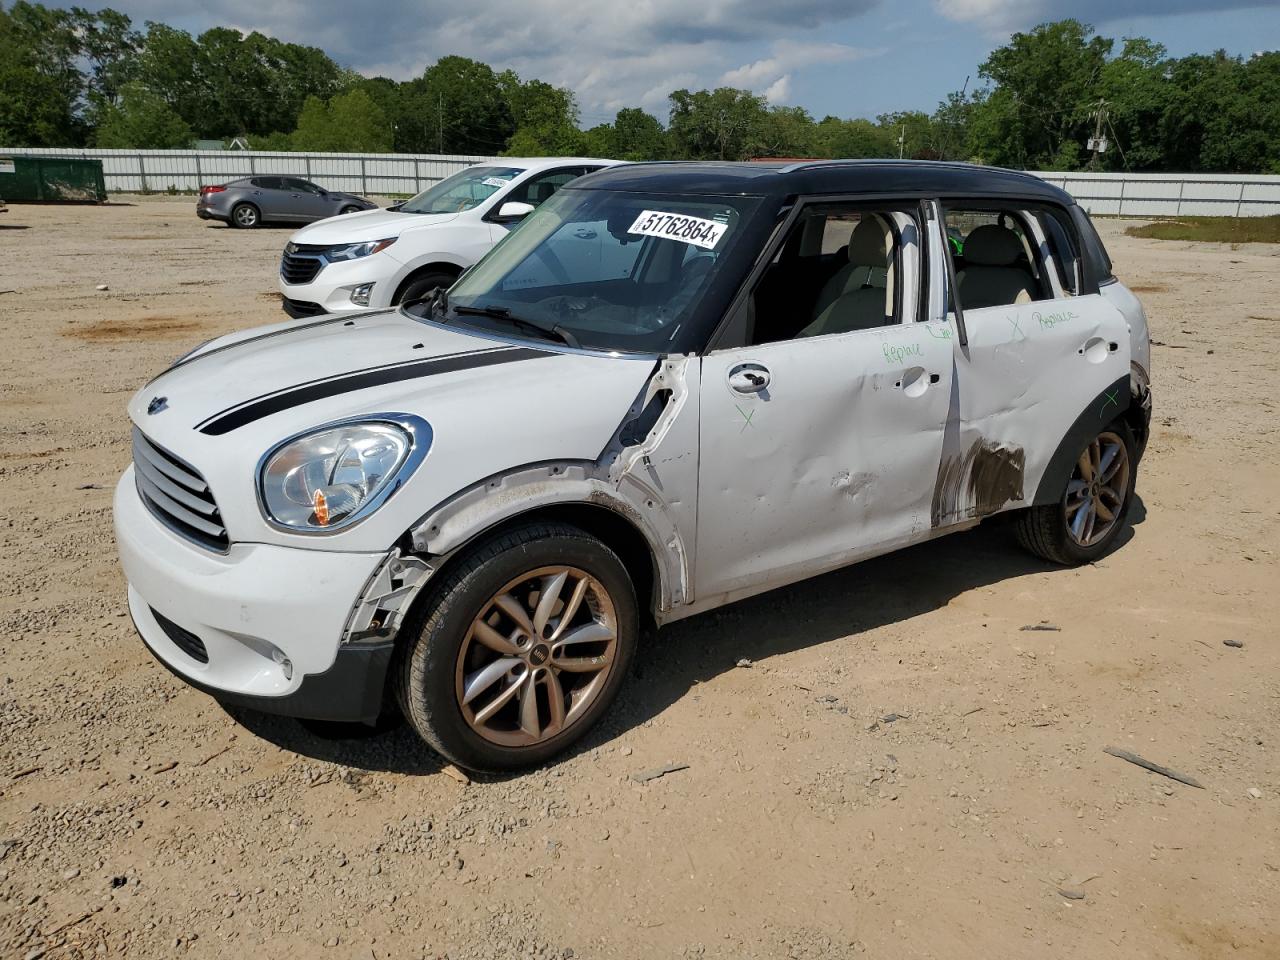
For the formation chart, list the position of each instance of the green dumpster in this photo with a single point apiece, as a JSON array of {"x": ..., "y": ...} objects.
[{"x": 51, "y": 179}]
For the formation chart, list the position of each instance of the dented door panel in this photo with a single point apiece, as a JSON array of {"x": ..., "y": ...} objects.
[
  {"x": 1025, "y": 376},
  {"x": 832, "y": 460}
]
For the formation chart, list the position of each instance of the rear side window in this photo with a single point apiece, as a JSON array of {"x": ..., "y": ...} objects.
[{"x": 1096, "y": 259}]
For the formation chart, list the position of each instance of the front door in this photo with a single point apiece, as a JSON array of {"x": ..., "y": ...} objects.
[{"x": 821, "y": 434}]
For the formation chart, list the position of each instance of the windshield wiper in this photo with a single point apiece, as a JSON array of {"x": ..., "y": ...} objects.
[{"x": 556, "y": 332}]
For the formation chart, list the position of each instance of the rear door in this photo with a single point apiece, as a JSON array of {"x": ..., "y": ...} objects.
[{"x": 1044, "y": 358}]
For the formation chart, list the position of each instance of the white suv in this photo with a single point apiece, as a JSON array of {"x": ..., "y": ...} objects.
[
  {"x": 381, "y": 258},
  {"x": 676, "y": 385}
]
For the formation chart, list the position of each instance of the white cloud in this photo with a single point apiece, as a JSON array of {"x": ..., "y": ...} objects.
[
  {"x": 1004, "y": 16},
  {"x": 611, "y": 54},
  {"x": 778, "y": 91},
  {"x": 771, "y": 75}
]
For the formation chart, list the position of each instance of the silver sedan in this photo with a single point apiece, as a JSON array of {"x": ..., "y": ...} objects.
[{"x": 271, "y": 199}]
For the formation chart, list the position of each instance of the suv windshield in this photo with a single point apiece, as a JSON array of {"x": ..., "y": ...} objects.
[
  {"x": 615, "y": 271},
  {"x": 462, "y": 191}
]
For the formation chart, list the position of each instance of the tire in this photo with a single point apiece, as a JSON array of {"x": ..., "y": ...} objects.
[
  {"x": 245, "y": 216},
  {"x": 1049, "y": 532},
  {"x": 348, "y": 209},
  {"x": 446, "y": 679},
  {"x": 418, "y": 288}
]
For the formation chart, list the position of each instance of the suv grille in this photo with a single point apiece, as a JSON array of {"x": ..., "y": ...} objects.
[
  {"x": 302, "y": 263},
  {"x": 184, "y": 640},
  {"x": 177, "y": 494}
]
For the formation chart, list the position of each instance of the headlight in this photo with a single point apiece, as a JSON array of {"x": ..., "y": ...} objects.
[
  {"x": 354, "y": 251},
  {"x": 334, "y": 476}
]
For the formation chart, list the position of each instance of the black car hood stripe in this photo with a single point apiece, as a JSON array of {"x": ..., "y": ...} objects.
[
  {"x": 257, "y": 409},
  {"x": 321, "y": 322}
]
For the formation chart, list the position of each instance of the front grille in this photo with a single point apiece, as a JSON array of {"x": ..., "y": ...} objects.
[
  {"x": 184, "y": 640},
  {"x": 177, "y": 494},
  {"x": 301, "y": 266}
]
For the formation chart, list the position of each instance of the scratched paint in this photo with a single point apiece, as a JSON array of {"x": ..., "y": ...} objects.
[{"x": 978, "y": 483}]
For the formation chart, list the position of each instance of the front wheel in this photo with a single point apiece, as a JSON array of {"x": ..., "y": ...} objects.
[
  {"x": 348, "y": 209},
  {"x": 424, "y": 287},
  {"x": 1093, "y": 509},
  {"x": 521, "y": 649}
]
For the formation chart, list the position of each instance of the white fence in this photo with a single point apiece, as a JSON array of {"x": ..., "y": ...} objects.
[
  {"x": 157, "y": 171},
  {"x": 1172, "y": 195},
  {"x": 1118, "y": 194}
]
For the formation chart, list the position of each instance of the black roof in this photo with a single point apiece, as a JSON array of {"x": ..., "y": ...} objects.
[{"x": 908, "y": 178}]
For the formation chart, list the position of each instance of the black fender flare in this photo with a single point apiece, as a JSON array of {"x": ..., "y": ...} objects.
[{"x": 1111, "y": 403}]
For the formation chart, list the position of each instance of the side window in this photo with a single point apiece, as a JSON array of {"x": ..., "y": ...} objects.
[
  {"x": 994, "y": 253},
  {"x": 300, "y": 186},
  {"x": 271, "y": 183},
  {"x": 834, "y": 273},
  {"x": 538, "y": 189},
  {"x": 1062, "y": 253}
]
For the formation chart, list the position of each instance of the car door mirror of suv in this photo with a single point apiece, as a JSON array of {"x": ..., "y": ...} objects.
[{"x": 513, "y": 210}]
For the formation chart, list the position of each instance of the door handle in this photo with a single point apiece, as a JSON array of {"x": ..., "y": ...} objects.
[{"x": 749, "y": 378}]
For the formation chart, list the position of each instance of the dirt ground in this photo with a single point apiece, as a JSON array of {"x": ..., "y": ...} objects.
[{"x": 139, "y": 819}]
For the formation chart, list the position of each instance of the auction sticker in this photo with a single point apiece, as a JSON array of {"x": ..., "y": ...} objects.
[
  {"x": 677, "y": 226},
  {"x": 495, "y": 181}
]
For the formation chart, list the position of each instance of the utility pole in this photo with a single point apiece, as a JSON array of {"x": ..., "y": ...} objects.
[
  {"x": 440, "y": 117},
  {"x": 1098, "y": 142},
  {"x": 902, "y": 141}
]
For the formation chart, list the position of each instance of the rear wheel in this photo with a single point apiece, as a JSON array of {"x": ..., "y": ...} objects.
[
  {"x": 1093, "y": 509},
  {"x": 348, "y": 209},
  {"x": 521, "y": 649},
  {"x": 425, "y": 286},
  {"x": 245, "y": 216}
]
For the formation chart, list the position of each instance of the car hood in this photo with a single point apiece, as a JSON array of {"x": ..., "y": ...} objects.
[
  {"x": 366, "y": 225},
  {"x": 492, "y": 405}
]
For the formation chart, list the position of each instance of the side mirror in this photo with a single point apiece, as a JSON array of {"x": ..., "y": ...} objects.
[
  {"x": 513, "y": 210},
  {"x": 396, "y": 206}
]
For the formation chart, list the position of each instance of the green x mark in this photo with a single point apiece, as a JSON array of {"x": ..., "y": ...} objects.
[
  {"x": 1113, "y": 397},
  {"x": 746, "y": 417}
]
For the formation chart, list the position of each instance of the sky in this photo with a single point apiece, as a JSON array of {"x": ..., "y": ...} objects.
[{"x": 850, "y": 58}]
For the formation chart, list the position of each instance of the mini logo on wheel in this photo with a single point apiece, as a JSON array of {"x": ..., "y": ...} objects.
[
  {"x": 539, "y": 654},
  {"x": 157, "y": 404}
]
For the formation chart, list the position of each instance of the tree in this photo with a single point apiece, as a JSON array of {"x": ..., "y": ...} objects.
[
  {"x": 456, "y": 106},
  {"x": 638, "y": 136},
  {"x": 141, "y": 120},
  {"x": 349, "y": 123},
  {"x": 1045, "y": 81},
  {"x": 545, "y": 118},
  {"x": 40, "y": 82},
  {"x": 852, "y": 139},
  {"x": 110, "y": 47},
  {"x": 720, "y": 124}
]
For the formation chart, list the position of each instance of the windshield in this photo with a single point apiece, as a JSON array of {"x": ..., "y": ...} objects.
[
  {"x": 613, "y": 271},
  {"x": 462, "y": 191}
]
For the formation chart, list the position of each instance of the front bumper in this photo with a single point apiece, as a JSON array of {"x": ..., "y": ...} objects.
[
  {"x": 332, "y": 287},
  {"x": 267, "y": 621}
]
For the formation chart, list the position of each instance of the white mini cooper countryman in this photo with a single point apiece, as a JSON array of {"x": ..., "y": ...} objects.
[{"x": 674, "y": 386}]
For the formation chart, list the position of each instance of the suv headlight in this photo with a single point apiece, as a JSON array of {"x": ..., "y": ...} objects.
[
  {"x": 354, "y": 251},
  {"x": 334, "y": 476}
]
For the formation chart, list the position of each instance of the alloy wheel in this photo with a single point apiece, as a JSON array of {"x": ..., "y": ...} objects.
[
  {"x": 537, "y": 656},
  {"x": 246, "y": 216},
  {"x": 1097, "y": 489}
]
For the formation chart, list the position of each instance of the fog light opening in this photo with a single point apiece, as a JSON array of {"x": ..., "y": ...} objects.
[
  {"x": 361, "y": 294},
  {"x": 286, "y": 665}
]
